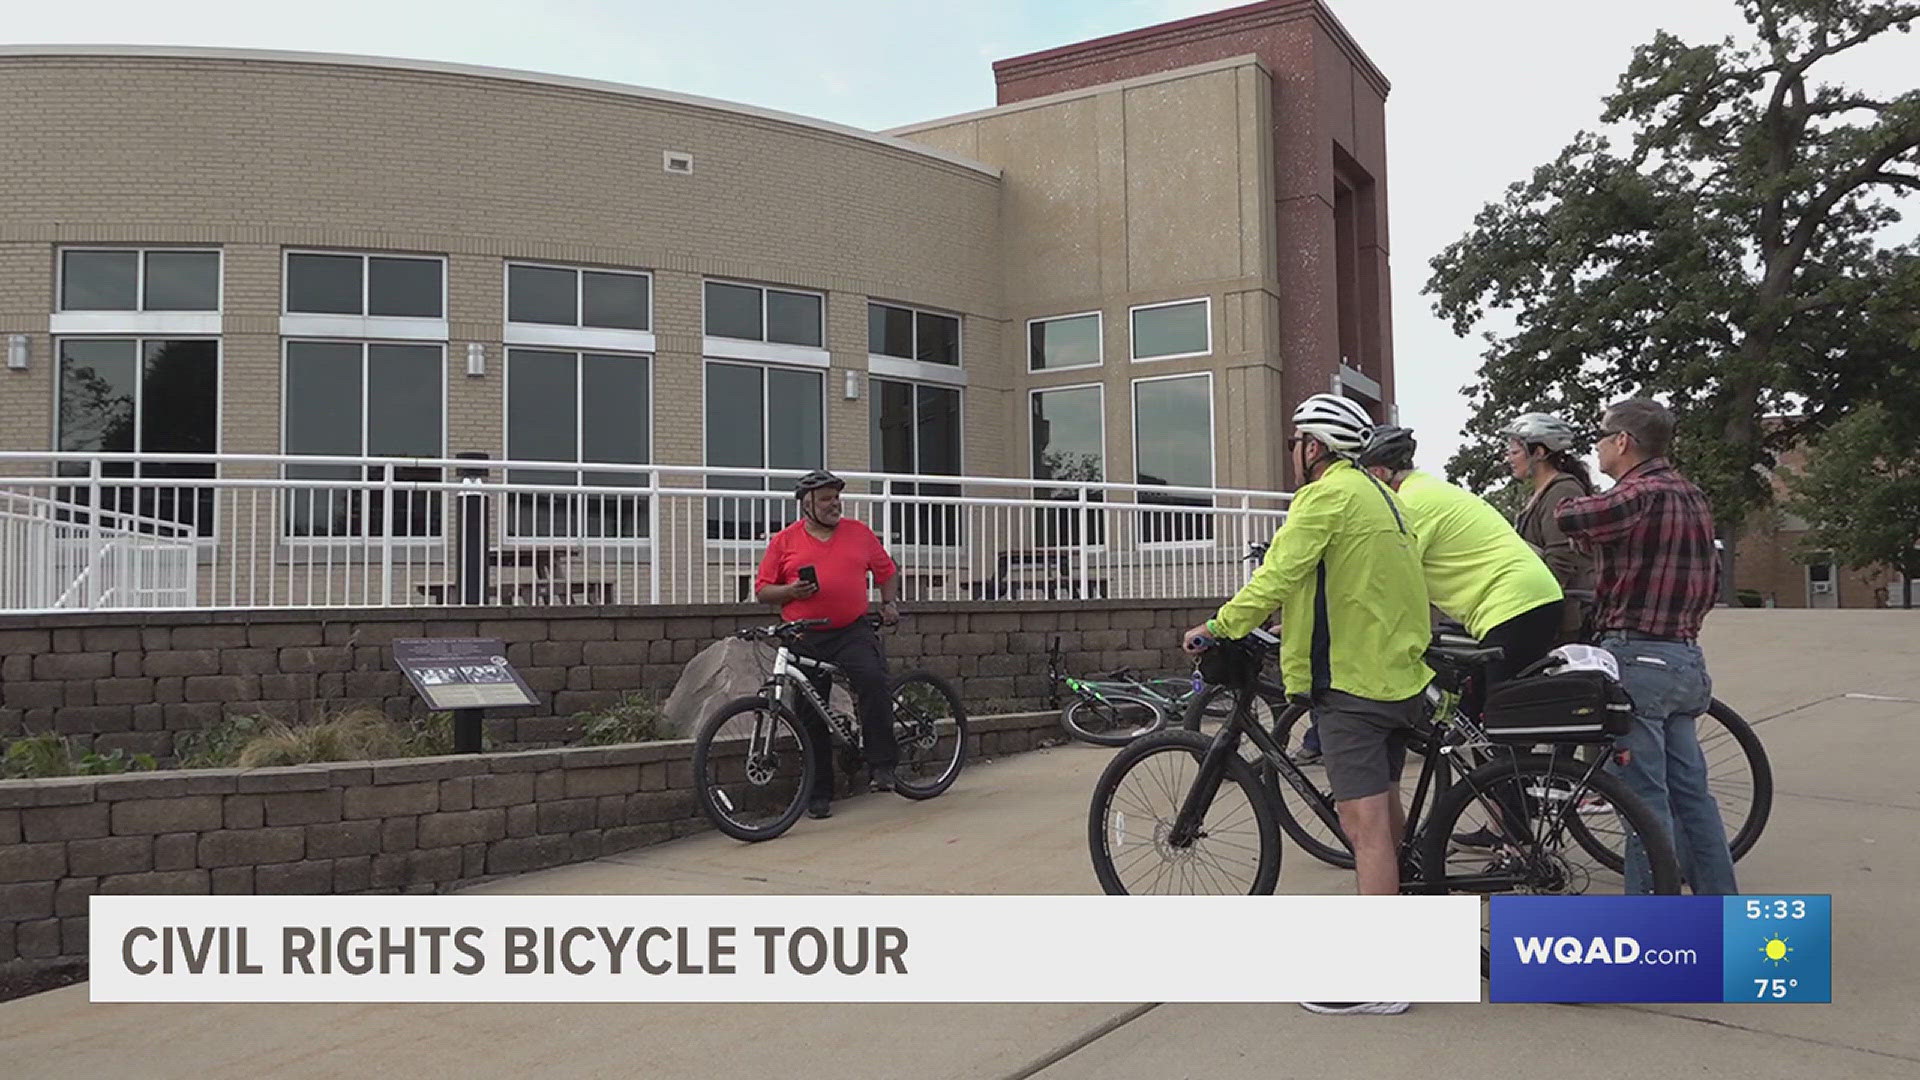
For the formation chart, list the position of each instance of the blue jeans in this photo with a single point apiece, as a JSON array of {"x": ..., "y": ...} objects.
[{"x": 1670, "y": 687}]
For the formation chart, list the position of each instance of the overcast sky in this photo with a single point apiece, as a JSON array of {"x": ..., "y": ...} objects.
[{"x": 1483, "y": 90}]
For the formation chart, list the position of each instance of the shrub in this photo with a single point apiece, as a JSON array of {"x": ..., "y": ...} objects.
[
  {"x": 355, "y": 735},
  {"x": 38, "y": 756},
  {"x": 634, "y": 718}
]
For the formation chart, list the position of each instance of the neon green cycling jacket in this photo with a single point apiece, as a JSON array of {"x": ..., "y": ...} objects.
[
  {"x": 1346, "y": 577},
  {"x": 1478, "y": 569}
]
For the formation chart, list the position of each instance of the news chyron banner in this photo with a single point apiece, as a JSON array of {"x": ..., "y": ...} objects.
[
  {"x": 1772, "y": 949},
  {"x": 843, "y": 949}
]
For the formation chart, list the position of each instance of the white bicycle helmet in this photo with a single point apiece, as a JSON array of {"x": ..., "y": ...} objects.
[
  {"x": 1580, "y": 658},
  {"x": 1544, "y": 428},
  {"x": 1339, "y": 423}
]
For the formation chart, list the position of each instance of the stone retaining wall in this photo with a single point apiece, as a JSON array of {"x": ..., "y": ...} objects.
[
  {"x": 130, "y": 681},
  {"x": 420, "y": 825}
]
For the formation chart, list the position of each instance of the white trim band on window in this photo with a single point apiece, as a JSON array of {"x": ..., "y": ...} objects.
[
  {"x": 144, "y": 323},
  {"x": 591, "y": 339},
  {"x": 377, "y": 327},
  {"x": 893, "y": 367},
  {"x": 720, "y": 348}
]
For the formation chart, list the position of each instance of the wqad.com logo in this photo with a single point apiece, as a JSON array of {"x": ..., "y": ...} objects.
[{"x": 1605, "y": 948}]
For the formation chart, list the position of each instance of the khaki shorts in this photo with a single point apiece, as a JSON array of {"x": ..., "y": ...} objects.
[{"x": 1363, "y": 743}]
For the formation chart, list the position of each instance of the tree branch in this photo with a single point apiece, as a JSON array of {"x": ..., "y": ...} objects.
[{"x": 1896, "y": 179}]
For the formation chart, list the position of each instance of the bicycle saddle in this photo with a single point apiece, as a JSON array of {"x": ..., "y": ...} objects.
[{"x": 1464, "y": 659}]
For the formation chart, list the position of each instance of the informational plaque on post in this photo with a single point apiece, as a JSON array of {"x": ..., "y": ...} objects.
[{"x": 462, "y": 673}]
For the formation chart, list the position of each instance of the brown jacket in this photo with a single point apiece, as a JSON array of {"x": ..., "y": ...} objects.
[{"x": 1536, "y": 525}]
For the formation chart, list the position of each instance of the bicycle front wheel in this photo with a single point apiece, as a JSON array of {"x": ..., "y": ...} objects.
[
  {"x": 753, "y": 768},
  {"x": 1236, "y": 850},
  {"x": 930, "y": 730},
  {"x": 1112, "y": 719}
]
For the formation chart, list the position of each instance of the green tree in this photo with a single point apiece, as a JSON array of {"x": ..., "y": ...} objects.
[
  {"x": 1731, "y": 260},
  {"x": 1860, "y": 494}
]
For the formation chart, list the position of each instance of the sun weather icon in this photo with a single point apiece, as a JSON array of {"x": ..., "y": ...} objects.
[{"x": 1776, "y": 950}]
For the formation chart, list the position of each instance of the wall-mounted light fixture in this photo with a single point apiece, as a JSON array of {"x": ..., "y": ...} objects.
[
  {"x": 476, "y": 360},
  {"x": 17, "y": 351},
  {"x": 852, "y": 392}
]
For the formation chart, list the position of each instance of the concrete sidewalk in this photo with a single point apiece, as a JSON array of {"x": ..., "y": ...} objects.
[{"x": 1846, "y": 814}]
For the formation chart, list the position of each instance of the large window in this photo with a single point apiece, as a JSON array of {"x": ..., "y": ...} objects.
[
  {"x": 1166, "y": 331},
  {"x": 911, "y": 334},
  {"x": 1064, "y": 341},
  {"x": 916, "y": 431},
  {"x": 760, "y": 417},
  {"x": 756, "y": 313},
  {"x": 149, "y": 280},
  {"x": 131, "y": 395},
  {"x": 1173, "y": 446},
  {"x": 389, "y": 286},
  {"x": 578, "y": 407},
  {"x": 363, "y": 399},
  {"x": 589, "y": 299},
  {"x": 1069, "y": 443}
]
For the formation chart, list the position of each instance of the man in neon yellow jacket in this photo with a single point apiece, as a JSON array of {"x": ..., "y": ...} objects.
[
  {"x": 1478, "y": 569},
  {"x": 1344, "y": 572}
]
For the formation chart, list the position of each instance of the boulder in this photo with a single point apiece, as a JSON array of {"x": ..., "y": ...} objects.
[{"x": 727, "y": 669}]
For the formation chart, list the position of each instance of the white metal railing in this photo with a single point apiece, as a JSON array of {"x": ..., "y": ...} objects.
[{"x": 239, "y": 531}]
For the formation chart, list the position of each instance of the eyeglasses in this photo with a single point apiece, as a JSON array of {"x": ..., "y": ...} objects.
[{"x": 1602, "y": 434}]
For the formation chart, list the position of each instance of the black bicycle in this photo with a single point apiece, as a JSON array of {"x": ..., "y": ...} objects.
[
  {"x": 1739, "y": 773},
  {"x": 1179, "y": 812},
  {"x": 755, "y": 759}
]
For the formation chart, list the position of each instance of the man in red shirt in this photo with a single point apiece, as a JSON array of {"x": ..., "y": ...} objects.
[{"x": 837, "y": 553}]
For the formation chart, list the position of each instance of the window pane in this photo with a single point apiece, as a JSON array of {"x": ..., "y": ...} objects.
[
  {"x": 180, "y": 397},
  {"x": 323, "y": 398},
  {"x": 542, "y": 404},
  {"x": 539, "y": 294},
  {"x": 793, "y": 318},
  {"x": 615, "y": 300},
  {"x": 1066, "y": 435},
  {"x": 616, "y": 415},
  {"x": 889, "y": 331},
  {"x": 734, "y": 434},
  {"x": 1056, "y": 343},
  {"x": 324, "y": 284},
  {"x": 183, "y": 281},
  {"x": 403, "y": 400},
  {"x": 892, "y": 427},
  {"x": 794, "y": 424},
  {"x": 939, "y": 431},
  {"x": 938, "y": 341},
  {"x": 404, "y": 287},
  {"x": 1170, "y": 331},
  {"x": 733, "y": 311},
  {"x": 96, "y": 396},
  {"x": 1178, "y": 413},
  {"x": 99, "y": 280}
]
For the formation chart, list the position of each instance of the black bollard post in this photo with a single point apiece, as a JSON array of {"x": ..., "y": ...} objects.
[{"x": 473, "y": 532}]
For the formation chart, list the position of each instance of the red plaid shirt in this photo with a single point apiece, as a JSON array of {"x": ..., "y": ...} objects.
[{"x": 1651, "y": 537}]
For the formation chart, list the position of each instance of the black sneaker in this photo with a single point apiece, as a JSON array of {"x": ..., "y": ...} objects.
[
  {"x": 1481, "y": 837},
  {"x": 820, "y": 808},
  {"x": 883, "y": 779},
  {"x": 1352, "y": 1008}
]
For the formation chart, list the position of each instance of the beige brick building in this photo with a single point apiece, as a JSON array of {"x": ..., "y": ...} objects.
[{"x": 1126, "y": 272}]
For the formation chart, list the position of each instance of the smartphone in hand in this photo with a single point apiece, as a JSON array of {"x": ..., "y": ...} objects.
[{"x": 808, "y": 576}]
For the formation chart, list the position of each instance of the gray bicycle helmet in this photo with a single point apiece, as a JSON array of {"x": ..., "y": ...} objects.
[
  {"x": 818, "y": 478},
  {"x": 1389, "y": 447},
  {"x": 1544, "y": 428}
]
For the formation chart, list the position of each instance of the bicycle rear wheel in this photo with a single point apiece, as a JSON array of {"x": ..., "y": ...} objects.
[
  {"x": 1114, "y": 719},
  {"x": 930, "y": 730},
  {"x": 1135, "y": 804},
  {"x": 753, "y": 768},
  {"x": 1739, "y": 776},
  {"x": 1470, "y": 844}
]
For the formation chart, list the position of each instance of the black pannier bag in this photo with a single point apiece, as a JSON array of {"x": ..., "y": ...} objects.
[{"x": 1582, "y": 706}]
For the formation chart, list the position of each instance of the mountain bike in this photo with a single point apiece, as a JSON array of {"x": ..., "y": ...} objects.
[
  {"x": 755, "y": 759},
  {"x": 1119, "y": 706},
  {"x": 1179, "y": 812}
]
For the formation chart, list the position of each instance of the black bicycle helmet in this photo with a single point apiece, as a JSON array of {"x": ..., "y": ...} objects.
[
  {"x": 1389, "y": 447},
  {"x": 818, "y": 478}
]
